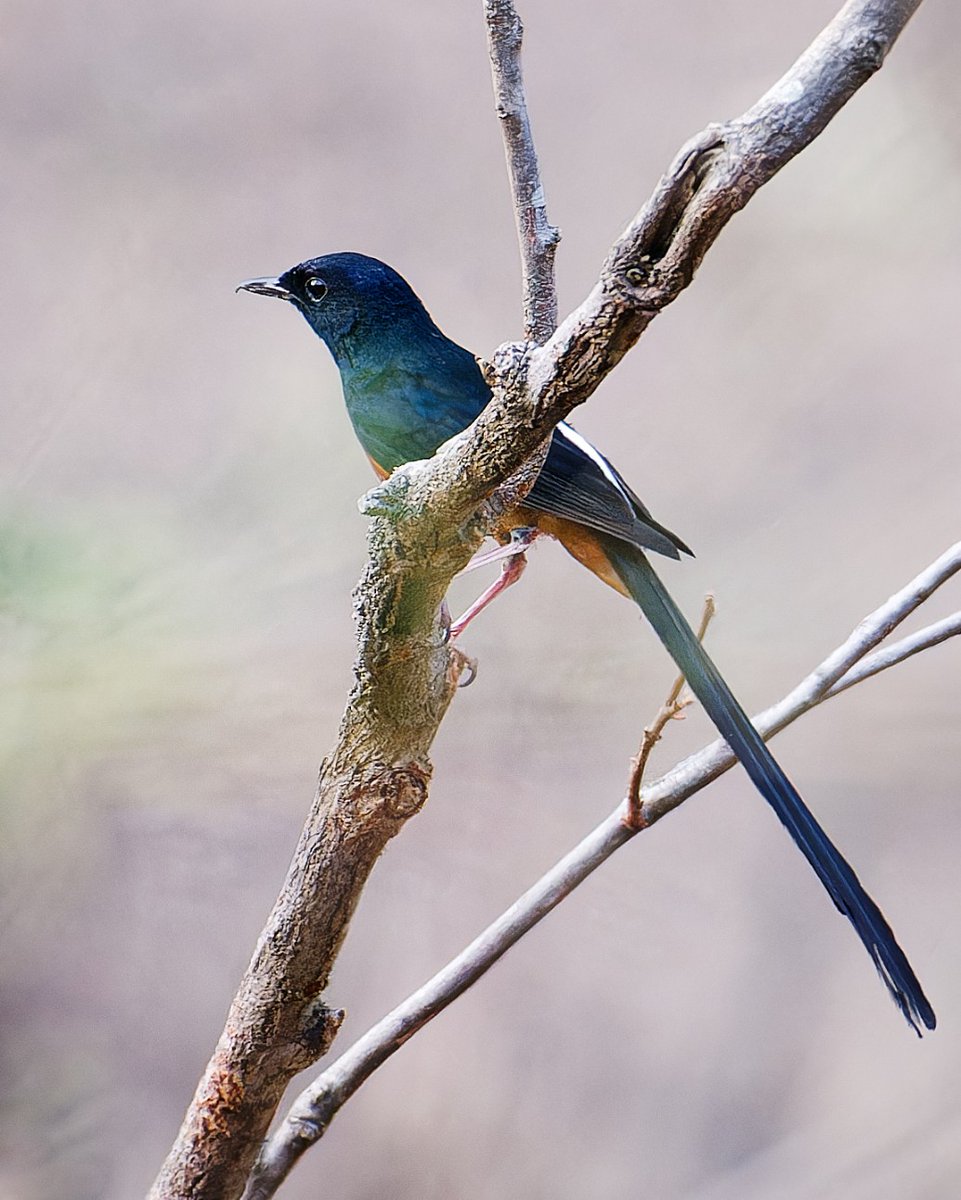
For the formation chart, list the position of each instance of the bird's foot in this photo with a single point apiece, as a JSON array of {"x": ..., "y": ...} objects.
[
  {"x": 464, "y": 665},
  {"x": 446, "y": 620}
]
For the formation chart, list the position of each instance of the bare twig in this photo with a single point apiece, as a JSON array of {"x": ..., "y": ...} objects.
[
  {"x": 889, "y": 656},
  {"x": 712, "y": 177},
  {"x": 537, "y": 236},
  {"x": 314, "y": 1109},
  {"x": 671, "y": 709}
]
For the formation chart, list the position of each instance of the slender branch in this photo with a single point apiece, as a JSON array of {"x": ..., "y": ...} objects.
[
  {"x": 705, "y": 766},
  {"x": 538, "y": 238},
  {"x": 314, "y": 1109},
  {"x": 712, "y": 177},
  {"x": 889, "y": 656}
]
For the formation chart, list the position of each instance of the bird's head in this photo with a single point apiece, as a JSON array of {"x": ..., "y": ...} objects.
[{"x": 351, "y": 301}]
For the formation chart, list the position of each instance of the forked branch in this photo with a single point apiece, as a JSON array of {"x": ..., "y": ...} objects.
[{"x": 315, "y": 1108}]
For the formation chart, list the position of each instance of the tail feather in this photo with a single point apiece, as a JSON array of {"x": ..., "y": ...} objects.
[{"x": 732, "y": 722}]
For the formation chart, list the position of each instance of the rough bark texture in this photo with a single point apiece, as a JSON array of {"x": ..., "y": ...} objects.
[{"x": 375, "y": 779}]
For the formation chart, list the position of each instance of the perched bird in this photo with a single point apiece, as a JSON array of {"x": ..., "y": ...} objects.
[{"x": 408, "y": 388}]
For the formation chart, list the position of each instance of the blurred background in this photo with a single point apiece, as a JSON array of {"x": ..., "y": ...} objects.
[{"x": 179, "y": 538}]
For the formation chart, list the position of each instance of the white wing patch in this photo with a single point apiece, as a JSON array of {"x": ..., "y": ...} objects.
[{"x": 576, "y": 439}]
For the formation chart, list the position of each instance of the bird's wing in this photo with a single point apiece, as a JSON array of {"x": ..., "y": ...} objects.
[{"x": 577, "y": 482}]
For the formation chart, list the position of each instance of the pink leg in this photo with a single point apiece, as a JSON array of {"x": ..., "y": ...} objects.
[
  {"x": 499, "y": 553},
  {"x": 511, "y": 571}
]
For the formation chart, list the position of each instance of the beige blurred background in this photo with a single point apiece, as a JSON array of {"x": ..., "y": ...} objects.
[{"x": 179, "y": 538}]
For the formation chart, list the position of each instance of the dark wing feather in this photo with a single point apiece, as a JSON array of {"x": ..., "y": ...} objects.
[{"x": 575, "y": 484}]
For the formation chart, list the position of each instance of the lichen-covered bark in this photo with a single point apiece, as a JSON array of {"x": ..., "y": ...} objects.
[{"x": 374, "y": 780}]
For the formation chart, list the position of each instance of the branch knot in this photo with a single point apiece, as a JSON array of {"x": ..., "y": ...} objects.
[
  {"x": 319, "y": 1027},
  {"x": 402, "y": 791},
  {"x": 390, "y": 497}
]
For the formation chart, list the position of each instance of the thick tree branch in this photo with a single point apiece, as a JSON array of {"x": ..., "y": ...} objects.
[
  {"x": 712, "y": 177},
  {"x": 426, "y": 521},
  {"x": 374, "y": 780},
  {"x": 538, "y": 238},
  {"x": 314, "y": 1109}
]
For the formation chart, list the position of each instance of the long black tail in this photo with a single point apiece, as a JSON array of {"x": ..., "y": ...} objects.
[{"x": 732, "y": 722}]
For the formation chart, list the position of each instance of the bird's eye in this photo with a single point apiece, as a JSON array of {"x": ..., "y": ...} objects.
[{"x": 315, "y": 289}]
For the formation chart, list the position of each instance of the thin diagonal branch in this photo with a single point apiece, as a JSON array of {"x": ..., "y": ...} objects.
[
  {"x": 711, "y": 178},
  {"x": 705, "y": 766},
  {"x": 538, "y": 238},
  {"x": 314, "y": 1109},
  {"x": 889, "y": 656}
]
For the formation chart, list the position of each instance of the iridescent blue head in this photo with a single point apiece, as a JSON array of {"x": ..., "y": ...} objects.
[
  {"x": 407, "y": 387},
  {"x": 351, "y": 301}
]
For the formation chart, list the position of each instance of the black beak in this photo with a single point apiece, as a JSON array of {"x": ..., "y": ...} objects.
[{"x": 265, "y": 287}]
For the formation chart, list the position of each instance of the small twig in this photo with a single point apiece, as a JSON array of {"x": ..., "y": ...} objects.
[
  {"x": 889, "y": 656},
  {"x": 314, "y": 1109},
  {"x": 537, "y": 236},
  {"x": 670, "y": 710}
]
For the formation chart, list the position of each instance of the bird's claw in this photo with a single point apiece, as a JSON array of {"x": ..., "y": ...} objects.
[
  {"x": 466, "y": 663},
  {"x": 446, "y": 621}
]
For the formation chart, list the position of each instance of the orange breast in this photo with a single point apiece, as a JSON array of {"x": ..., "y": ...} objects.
[
  {"x": 378, "y": 470},
  {"x": 577, "y": 540}
]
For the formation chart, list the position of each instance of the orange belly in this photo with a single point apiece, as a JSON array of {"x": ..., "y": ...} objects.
[{"x": 577, "y": 540}]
